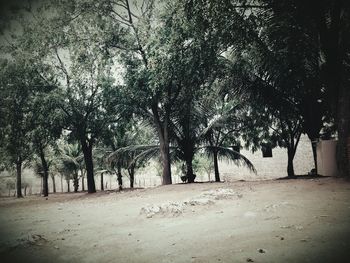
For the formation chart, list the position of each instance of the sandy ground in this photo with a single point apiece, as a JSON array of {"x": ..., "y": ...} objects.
[{"x": 267, "y": 221}]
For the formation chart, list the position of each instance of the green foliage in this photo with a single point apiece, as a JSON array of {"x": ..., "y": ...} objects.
[
  {"x": 70, "y": 159},
  {"x": 21, "y": 87},
  {"x": 203, "y": 74}
]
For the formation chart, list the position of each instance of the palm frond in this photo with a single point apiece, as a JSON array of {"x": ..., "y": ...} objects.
[
  {"x": 104, "y": 171},
  {"x": 132, "y": 153},
  {"x": 215, "y": 122},
  {"x": 146, "y": 155},
  {"x": 230, "y": 155},
  {"x": 142, "y": 153},
  {"x": 129, "y": 149}
]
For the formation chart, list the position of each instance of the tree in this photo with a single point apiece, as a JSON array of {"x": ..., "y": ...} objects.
[
  {"x": 135, "y": 136},
  {"x": 330, "y": 24},
  {"x": 46, "y": 130},
  {"x": 321, "y": 29},
  {"x": 87, "y": 95},
  {"x": 149, "y": 94},
  {"x": 71, "y": 161},
  {"x": 19, "y": 86},
  {"x": 224, "y": 123},
  {"x": 44, "y": 163},
  {"x": 296, "y": 41},
  {"x": 281, "y": 65},
  {"x": 165, "y": 66}
]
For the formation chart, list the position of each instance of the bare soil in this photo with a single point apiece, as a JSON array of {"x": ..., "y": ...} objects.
[{"x": 267, "y": 221}]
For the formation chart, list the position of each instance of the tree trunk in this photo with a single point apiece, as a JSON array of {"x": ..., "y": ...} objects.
[
  {"x": 216, "y": 167},
  {"x": 87, "y": 151},
  {"x": 343, "y": 125},
  {"x": 314, "y": 153},
  {"x": 82, "y": 181},
  {"x": 189, "y": 170},
  {"x": 68, "y": 186},
  {"x": 25, "y": 190},
  {"x": 290, "y": 167},
  {"x": 102, "y": 186},
  {"x": 41, "y": 184},
  {"x": 120, "y": 178},
  {"x": 163, "y": 135},
  {"x": 61, "y": 183},
  {"x": 165, "y": 155},
  {"x": 53, "y": 183},
  {"x": 76, "y": 183},
  {"x": 45, "y": 172},
  {"x": 131, "y": 172},
  {"x": 333, "y": 34},
  {"x": 19, "y": 178}
]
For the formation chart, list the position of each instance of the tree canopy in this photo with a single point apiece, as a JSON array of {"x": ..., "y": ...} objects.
[{"x": 205, "y": 77}]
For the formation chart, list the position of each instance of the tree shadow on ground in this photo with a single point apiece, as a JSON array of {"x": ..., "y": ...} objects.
[{"x": 303, "y": 176}]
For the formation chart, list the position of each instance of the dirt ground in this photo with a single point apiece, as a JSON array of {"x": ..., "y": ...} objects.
[{"x": 267, "y": 221}]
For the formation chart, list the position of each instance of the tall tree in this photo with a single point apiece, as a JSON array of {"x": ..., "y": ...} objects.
[
  {"x": 282, "y": 52},
  {"x": 150, "y": 92},
  {"x": 20, "y": 83},
  {"x": 63, "y": 34},
  {"x": 47, "y": 123}
]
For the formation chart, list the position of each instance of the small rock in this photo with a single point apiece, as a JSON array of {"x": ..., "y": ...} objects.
[
  {"x": 260, "y": 250},
  {"x": 62, "y": 238},
  {"x": 303, "y": 240},
  {"x": 129, "y": 234},
  {"x": 249, "y": 214},
  {"x": 282, "y": 238},
  {"x": 56, "y": 247},
  {"x": 249, "y": 260},
  {"x": 323, "y": 215},
  {"x": 285, "y": 226}
]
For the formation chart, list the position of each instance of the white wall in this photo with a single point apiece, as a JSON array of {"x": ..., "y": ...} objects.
[{"x": 274, "y": 167}]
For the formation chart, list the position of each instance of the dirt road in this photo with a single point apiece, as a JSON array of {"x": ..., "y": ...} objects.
[{"x": 266, "y": 221}]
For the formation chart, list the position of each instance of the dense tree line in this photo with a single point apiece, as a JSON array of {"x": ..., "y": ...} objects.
[{"x": 103, "y": 86}]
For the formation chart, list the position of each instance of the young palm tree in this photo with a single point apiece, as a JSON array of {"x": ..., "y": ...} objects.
[
  {"x": 130, "y": 151},
  {"x": 71, "y": 162}
]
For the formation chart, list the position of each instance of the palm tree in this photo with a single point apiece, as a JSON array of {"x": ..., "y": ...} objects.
[
  {"x": 130, "y": 151},
  {"x": 43, "y": 164},
  {"x": 281, "y": 78},
  {"x": 210, "y": 130},
  {"x": 199, "y": 131},
  {"x": 71, "y": 162}
]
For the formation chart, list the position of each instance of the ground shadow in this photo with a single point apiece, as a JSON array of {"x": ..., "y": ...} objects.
[{"x": 303, "y": 176}]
